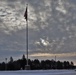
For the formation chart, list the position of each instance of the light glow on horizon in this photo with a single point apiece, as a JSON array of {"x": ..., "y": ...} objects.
[{"x": 50, "y": 55}]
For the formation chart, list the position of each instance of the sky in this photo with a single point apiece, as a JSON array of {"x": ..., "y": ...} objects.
[{"x": 51, "y": 29}]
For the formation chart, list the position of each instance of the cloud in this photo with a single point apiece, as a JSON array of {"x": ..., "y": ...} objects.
[
  {"x": 45, "y": 43},
  {"x": 51, "y": 26},
  {"x": 61, "y": 7}
]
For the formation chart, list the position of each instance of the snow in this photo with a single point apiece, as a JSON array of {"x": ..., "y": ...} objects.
[{"x": 39, "y": 72}]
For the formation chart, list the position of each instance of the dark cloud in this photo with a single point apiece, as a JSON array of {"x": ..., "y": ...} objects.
[{"x": 51, "y": 20}]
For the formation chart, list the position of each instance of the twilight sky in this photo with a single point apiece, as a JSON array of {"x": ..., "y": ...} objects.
[{"x": 52, "y": 29}]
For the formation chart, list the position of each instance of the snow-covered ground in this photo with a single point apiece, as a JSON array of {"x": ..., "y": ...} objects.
[{"x": 39, "y": 72}]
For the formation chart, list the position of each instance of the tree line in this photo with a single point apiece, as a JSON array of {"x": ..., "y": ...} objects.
[{"x": 35, "y": 64}]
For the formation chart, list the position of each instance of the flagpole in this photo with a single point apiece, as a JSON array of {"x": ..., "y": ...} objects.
[
  {"x": 27, "y": 35},
  {"x": 27, "y": 66}
]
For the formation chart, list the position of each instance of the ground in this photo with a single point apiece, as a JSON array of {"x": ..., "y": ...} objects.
[{"x": 39, "y": 72}]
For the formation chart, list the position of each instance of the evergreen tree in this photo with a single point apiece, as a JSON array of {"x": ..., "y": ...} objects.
[
  {"x": 23, "y": 62},
  {"x": 10, "y": 64}
]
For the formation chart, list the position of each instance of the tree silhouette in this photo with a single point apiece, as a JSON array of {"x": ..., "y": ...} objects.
[
  {"x": 10, "y": 64},
  {"x": 36, "y": 64},
  {"x": 23, "y": 62}
]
